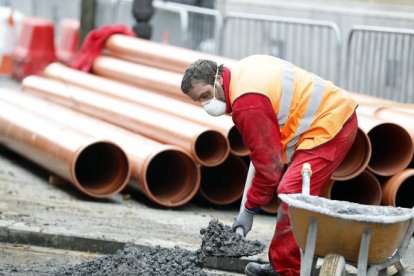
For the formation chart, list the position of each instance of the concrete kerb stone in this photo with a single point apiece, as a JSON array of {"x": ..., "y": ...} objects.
[
  {"x": 58, "y": 241},
  {"x": 101, "y": 246}
]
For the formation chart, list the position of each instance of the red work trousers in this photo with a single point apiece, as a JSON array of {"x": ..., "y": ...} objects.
[{"x": 284, "y": 253}]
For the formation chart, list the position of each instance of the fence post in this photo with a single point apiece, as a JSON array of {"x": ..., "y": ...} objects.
[
  {"x": 142, "y": 10},
  {"x": 87, "y": 18}
]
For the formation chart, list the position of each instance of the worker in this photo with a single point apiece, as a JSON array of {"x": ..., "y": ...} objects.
[{"x": 285, "y": 115}]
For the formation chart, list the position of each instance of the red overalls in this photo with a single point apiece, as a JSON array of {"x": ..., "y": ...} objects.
[{"x": 255, "y": 119}]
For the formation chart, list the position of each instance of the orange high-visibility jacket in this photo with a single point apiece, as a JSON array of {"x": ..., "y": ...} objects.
[{"x": 310, "y": 110}]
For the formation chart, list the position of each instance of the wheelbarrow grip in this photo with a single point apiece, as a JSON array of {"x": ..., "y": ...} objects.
[
  {"x": 306, "y": 167},
  {"x": 306, "y": 174}
]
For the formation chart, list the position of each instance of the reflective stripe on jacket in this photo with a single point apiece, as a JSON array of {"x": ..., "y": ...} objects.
[{"x": 310, "y": 110}]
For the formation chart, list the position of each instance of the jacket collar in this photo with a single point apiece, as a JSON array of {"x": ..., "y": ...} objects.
[{"x": 226, "y": 87}]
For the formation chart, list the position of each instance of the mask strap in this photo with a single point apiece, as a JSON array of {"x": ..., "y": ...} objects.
[{"x": 214, "y": 85}]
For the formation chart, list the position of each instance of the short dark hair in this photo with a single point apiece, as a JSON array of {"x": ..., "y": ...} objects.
[{"x": 201, "y": 70}]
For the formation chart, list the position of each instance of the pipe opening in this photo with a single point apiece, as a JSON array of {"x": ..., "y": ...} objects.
[
  {"x": 172, "y": 178},
  {"x": 356, "y": 160},
  {"x": 224, "y": 183},
  {"x": 211, "y": 148},
  {"x": 102, "y": 169},
  {"x": 392, "y": 149},
  {"x": 237, "y": 145},
  {"x": 363, "y": 189},
  {"x": 404, "y": 197}
]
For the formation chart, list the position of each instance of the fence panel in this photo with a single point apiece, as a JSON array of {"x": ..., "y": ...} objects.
[
  {"x": 310, "y": 44},
  {"x": 380, "y": 62},
  {"x": 114, "y": 12},
  {"x": 187, "y": 26}
]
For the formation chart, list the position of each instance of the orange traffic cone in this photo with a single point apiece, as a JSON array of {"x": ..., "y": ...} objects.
[{"x": 35, "y": 48}]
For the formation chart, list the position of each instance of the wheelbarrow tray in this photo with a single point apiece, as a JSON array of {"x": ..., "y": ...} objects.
[{"x": 341, "y": 224}]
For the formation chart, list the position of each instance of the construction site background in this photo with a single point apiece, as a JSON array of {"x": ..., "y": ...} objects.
[{"x": 363, "y": 46}]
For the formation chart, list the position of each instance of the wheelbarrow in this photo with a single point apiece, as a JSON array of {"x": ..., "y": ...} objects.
[{"x": 369, "y": 237}]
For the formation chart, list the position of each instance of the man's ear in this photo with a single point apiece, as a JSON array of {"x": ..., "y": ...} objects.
[{"x": 220, "y": 79}]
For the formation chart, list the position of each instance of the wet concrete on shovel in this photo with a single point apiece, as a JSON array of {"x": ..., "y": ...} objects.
[{"x": 219, "y": 240}]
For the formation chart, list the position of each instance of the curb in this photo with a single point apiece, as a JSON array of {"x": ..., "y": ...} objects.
[{"x": 64, "y": 242}]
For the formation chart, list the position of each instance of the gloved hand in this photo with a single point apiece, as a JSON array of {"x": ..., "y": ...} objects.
[{"x": 244, "y": 220}]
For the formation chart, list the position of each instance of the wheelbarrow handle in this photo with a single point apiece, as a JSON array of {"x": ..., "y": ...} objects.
[{"x": 306, "y": 174}]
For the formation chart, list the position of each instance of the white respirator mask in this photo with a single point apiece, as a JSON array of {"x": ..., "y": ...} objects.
[{"x": 214, "y": 107}]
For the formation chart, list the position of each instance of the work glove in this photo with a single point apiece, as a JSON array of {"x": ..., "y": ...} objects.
[{"x": 244, "y": 220}]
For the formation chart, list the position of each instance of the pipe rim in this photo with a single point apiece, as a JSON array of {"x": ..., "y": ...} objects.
[
  {"x": 236, "y": 177},
  {"x": 390, "y": 191},
  {"x": 359, "y": 164},
  {"x": 182, "y": 160},
  {"x": 399, "y": 146},
  {"x": 117, "y": 171},
  {"x": 237, "y": 146},
  {"x": 211, "y": 148}
]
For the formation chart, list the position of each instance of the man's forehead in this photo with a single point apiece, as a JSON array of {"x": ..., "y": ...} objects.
[
  {"x": 198, "y": 83},
  {"x": 197, "y": 89},
  {"x": 198, "y": 86}
]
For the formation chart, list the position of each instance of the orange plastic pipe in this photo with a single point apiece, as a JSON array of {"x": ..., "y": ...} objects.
[
  {"x": 363, "y": 99},
  {"x": 224, "y": 184},
  {"x": 154, "y": 79},
  {"x": 392, "y": 147},
  {"x": 372, "y": 104},
  {"x": 357, "y": 159},
  {"x": 96, "y": 167},
  {"x": 364, "y": 189},
  {"x": 149, "y": 99},
  {"x": 208, "y": 147},
  {"x": 399, "y": 189},
  {"x": 165, "y": 174},
  {"x": 394, "y": 114},
  {"x": 398, "y": 116},
  {"x": 155, "y": 54},
  {"x": 405, "y": 110}
]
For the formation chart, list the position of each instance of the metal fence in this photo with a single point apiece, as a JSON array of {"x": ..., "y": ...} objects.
[
  {"x": 380, "y": 62},
  {"x": 173, "y": 23},
  {"x": 113, "y": 12},
  {"x": 187, "y": 26},
  {"x": 312, "y": 45}
]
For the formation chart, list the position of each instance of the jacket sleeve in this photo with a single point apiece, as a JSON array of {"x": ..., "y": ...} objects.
[{"x": 256, "y": 121}]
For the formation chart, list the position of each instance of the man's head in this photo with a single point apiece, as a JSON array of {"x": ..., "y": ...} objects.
[{"x": 202, "y": 82}]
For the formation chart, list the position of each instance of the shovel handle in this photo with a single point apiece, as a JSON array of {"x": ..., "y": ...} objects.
[{"x": 306, "y": 174}]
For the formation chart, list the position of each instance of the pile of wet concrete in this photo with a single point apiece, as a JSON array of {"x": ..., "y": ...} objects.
[{"x": 217, "y": 240}]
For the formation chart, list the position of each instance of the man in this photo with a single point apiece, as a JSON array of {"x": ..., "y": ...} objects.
[{"x": 285, "y": 115}]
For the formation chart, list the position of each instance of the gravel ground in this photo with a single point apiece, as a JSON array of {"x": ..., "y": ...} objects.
[{"x": 24, "y": 260}]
